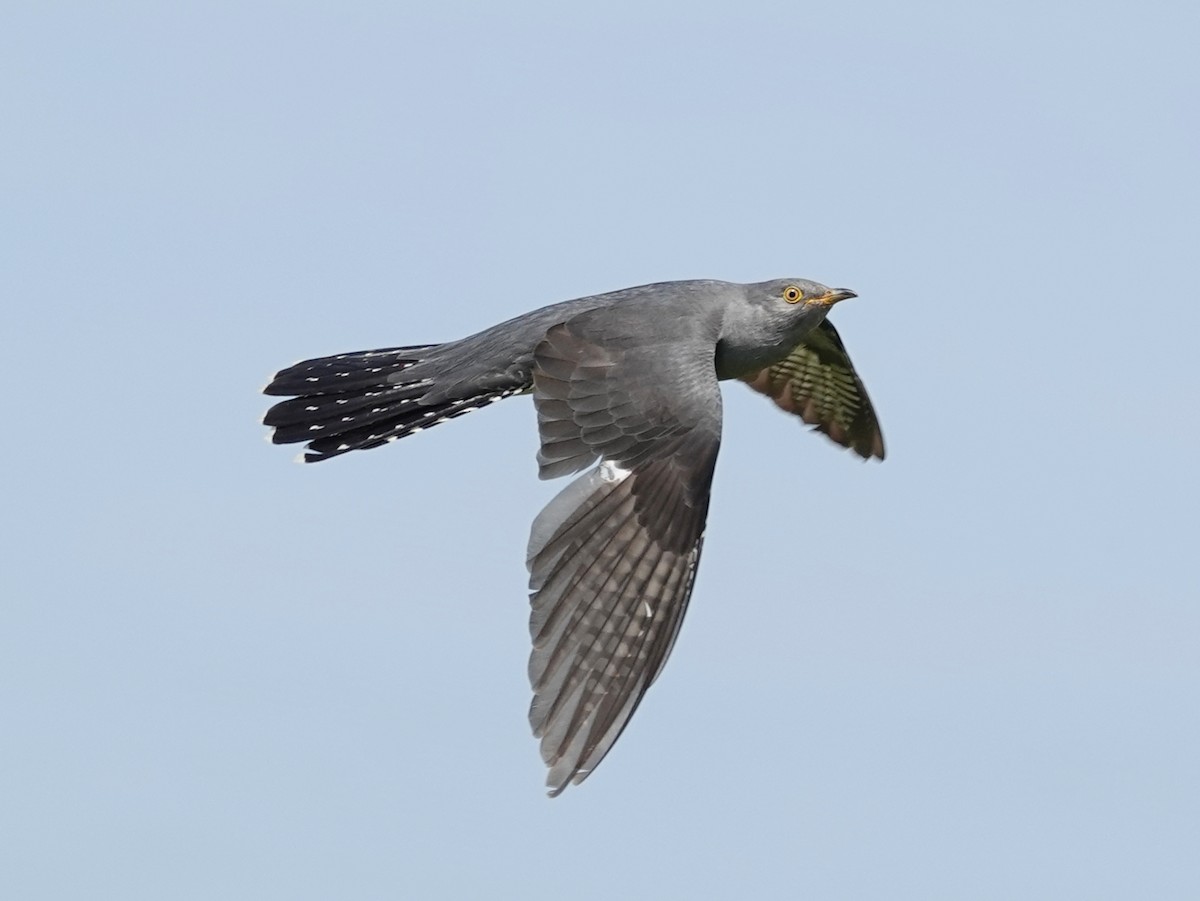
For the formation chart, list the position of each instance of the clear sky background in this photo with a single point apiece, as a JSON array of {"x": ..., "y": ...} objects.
[{"x": 970, "y": 672}]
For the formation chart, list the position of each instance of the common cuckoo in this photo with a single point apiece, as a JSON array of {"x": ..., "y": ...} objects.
[{"x": 626, "y": 381}]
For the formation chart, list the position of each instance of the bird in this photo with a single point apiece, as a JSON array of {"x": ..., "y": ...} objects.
[{"x": 625, "y": 385}]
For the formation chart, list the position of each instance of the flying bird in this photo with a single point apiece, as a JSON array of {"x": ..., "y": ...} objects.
[{"x": 625, "y": 383}]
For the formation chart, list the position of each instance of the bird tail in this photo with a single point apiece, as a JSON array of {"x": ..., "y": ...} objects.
[{"x": 360, "y": 400}]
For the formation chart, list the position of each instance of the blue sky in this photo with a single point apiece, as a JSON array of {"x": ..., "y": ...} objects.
[{"x": 969, "y": 672}]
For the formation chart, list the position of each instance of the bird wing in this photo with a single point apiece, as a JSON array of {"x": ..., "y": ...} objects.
[
  {"x": 613, "y": 557},
  {"x": 817, "y": 382}
]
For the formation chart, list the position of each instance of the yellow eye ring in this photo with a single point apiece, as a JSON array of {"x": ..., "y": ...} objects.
[{"x": 792, "y": 294}]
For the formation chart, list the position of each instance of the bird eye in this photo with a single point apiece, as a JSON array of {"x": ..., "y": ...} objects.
[{"x": 792, "y": 294}]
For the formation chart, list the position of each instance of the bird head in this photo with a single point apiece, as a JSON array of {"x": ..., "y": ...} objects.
[
  {"x": 769, "y": 320},
  {"x": 798, "y": 294},
  {"x": 795, "y": 304}
]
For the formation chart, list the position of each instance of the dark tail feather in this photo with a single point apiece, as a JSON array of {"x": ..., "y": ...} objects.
[
  {"x": 346, "y": 372},
  {"x": 357, "y": 401}
]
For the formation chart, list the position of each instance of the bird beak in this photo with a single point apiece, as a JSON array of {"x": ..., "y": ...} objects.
[{"x": 837, "y": 294}]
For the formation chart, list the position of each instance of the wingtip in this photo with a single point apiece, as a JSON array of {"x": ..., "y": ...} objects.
[
  {"x": 555, "y": 787},
  {"x": 870, "y": 453}
]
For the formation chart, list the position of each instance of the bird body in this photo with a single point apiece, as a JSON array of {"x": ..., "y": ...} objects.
[{"x": 627, "y": 380}]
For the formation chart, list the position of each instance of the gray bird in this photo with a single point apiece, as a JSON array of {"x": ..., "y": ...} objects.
[{"x": 628, "y": 381}]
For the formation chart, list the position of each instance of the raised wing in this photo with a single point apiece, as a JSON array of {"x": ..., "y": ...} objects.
[{"x": 817, "y": 382}]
